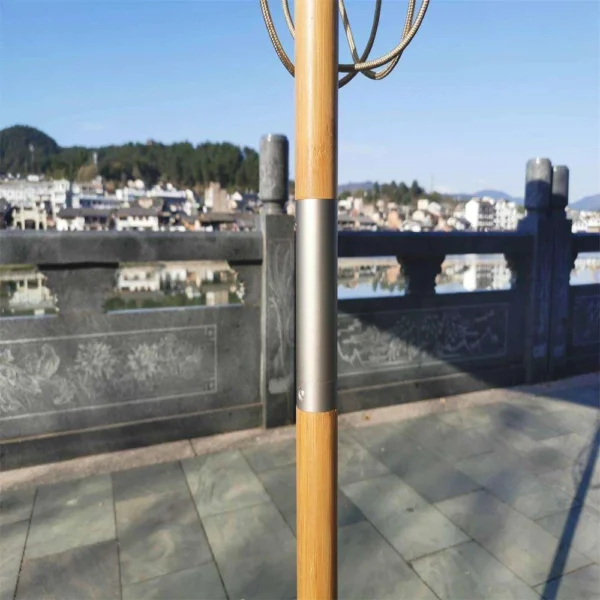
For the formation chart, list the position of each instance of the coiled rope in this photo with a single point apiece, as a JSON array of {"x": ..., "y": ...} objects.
[{"x": 361, "y": 64}]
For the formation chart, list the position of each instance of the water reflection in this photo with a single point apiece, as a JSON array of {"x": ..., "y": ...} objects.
[
  {"x": 366, "y": 278},
  {"x": 24, "y": 292},
  {"x": 167, "y": 285}
]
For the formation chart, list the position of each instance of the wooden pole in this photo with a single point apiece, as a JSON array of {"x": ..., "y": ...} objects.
[{"x": 316, "y": 60}]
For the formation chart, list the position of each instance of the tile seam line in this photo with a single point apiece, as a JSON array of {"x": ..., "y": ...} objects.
[
  {"x": 195, "y": 505},
  {"x": 14, "y": 595}
]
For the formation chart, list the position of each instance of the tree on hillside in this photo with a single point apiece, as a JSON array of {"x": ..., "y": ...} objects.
[
  {"x": 25, "y": 150},
  {"x": 182, "y": 163},
  {"x": 376, "y": 191}
]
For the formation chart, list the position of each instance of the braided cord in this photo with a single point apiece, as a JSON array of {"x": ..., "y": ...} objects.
[{"x": 359, "y": 64}]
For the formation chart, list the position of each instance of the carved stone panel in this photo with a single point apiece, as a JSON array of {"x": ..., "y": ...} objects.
[
  {"x": 409, "y": 338},
  {"x": 278, "y": 320},
  {"x": 82, "y": 372},
  {"x": 586, "y": 320}
]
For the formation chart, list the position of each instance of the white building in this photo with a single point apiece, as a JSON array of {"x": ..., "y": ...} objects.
[
  {"x": 143, "y": 278},
  {"x": 98, "y": 201},
  {"x": 485, "y": 273},
  {"x": 30, "y": 216},
  {"x": 84, "y": 219},
  {"x": 215, "y": 198},
  {"x": 70, "y": 219},
  {"x": 136, "y": 219},
  {"x": 422, "y": 217},
  {"x": 21, "y": 192},
  {"x": 422, "y": 204},
  {"x": 506, "y": 217},
  {"x": 481, "y": 214}
]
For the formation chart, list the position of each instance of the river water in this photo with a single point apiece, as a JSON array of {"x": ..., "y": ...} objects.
[{"x": 163, "y": 285}]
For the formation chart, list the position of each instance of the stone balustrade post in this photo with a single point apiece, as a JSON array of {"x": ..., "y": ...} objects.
[
  {"x": 278, "y": 285},
  {"x": 538, "y": 223},
  {"x": 273, "y": 173},
  {"x": 420, "y": 274},
  {"x": 562, "y": 265}
]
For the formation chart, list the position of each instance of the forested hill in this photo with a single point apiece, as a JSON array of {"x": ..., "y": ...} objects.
[{"x": 183, "y": 164}]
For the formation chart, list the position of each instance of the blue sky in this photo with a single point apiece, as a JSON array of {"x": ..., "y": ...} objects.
[{"x": 483, "y": 87}]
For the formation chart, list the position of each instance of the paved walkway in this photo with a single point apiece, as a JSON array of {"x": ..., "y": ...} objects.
[{"x": 497, "y": 500}]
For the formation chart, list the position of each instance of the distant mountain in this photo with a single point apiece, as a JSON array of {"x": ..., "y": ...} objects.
[
  {"x": 591, "y": 203},
  {"x": 27, "y": 150},
  {"x": 20, "y": 144},
  {"x": 353, "y": 187}
]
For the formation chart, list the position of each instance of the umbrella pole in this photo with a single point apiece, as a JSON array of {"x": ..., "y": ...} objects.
[{"x": 316, "y": 59}]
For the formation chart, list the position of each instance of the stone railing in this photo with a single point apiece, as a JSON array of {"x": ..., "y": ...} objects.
[{"x": 88, "y": 379}]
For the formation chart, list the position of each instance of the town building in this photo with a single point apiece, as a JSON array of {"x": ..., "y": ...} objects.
[
  {"x": 35, "y": 189},
  {"x": 84, "y": 219},
  {"x": 506, "y": 216},
  {"x": 29, "y": 216},
  {"x": 481, "y": 214},
  {"x": 136, "y": 218},
  {"x": 216, "y": 199}
]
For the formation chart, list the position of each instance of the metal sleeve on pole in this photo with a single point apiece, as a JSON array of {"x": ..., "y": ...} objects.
[{"x": 316, "y": 305}]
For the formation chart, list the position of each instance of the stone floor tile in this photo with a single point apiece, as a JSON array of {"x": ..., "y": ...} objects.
[
  {"x": 370, "y": 568},
  {"x": 12, "y": 544},
  {"x": 374, "y": 437},
  {"x": 572, "y": 420},
  {"x": 545, "y": 457},
  {"x": 480, "y": 514},
  {"x": 468, "y": 571},
  {"x": 355, "y": 462},
  {"x": 71, "y": 514},
  {"x": 535, "y": 404},
  {"x": 440, "y": 481},
  {"x": 199, "y": 583},
  {"x": 348, "y": 512},
  {"x": 506, "y": 477},
  {"x": 450, "y": 441},
  {"x": 425, "y": 471},
  {"x": 570, "y": 481},
  {"x": 154, "y": 479},
  {"x": 83, "y": 573},
  {"x": 281, "y": 486},
  {"x": 485, "y": 467},
  {"x": 532, "y": 556},
  {"x": 519, "y": 543},
  {"x": 529, "y": 495},
  {"x": 159, "y": 534},
  {"x": 255, "y": 552},
  {"x": 579, "y": 585},
  {"x": 16, "y": 505},
  {"x": 263, "y": 457},
  {"x": 535, "y": 426},
  {"x": 421, "y": 532},
  {"x": 473, "y": 417},
  {"x": 222, "y": 482},
  {"x": 383, "y": 497},
  {"x": 571, "y": 444},
  {"x": 579, "y": 527}
]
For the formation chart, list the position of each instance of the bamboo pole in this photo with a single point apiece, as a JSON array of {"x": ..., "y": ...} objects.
[{"x": 316, "y": 59}]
